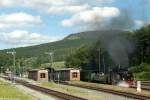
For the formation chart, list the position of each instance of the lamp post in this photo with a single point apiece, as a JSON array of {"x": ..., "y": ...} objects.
[{"x": 13, "y": 54}]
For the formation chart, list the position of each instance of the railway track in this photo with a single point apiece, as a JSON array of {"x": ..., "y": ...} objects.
[
  {"x": 70, "y": 97},
  {"x": 144, "y": 85},
  {"x": 47, "y": 91},
  {"x": 126, "y": 94}
]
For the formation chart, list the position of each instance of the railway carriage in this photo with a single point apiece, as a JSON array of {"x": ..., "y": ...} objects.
[{"x": 111, "y": 77}]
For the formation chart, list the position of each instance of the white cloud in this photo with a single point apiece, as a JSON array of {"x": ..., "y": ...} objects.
[
  {"x": 48, "y": 6},
  {"x": 139, "y": 23},
  {"x": 57, "y": 6},
  {"x": 66, "y": 9},
  {"x": 18, "y": 20},
  {"x": 24, "y": 38},
  {"x": 7, "y": 3},
  {"x": 53, "y": 6},
  {"x": 96, "y": 2},
  {"x": 36, "y": 3},
  {"x": 96, "y": 14},
  {"x": 29, "y": 3}
]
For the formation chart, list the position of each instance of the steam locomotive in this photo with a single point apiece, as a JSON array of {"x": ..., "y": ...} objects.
[{"x": 111, "y": 77}]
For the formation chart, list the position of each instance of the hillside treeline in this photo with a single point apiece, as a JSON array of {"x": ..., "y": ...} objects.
[{"x": 34, "y": 56}]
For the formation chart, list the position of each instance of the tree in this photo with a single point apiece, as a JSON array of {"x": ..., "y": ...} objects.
[
  {"x": 142, "y": 46},
  {"x": 141, "y": 71},
  {"x": 81, "y": 58}
]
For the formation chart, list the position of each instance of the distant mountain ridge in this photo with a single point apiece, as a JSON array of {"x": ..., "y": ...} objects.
[{"x": 60, "y": 48}]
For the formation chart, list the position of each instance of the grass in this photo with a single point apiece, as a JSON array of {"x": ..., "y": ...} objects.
[
  {"x": 64, "y": 88},
  {"x": 10, "y": 92}
]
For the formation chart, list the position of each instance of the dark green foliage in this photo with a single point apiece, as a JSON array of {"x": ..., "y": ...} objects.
[
  {"x": 143, "y": 76},
  {"x": 140, "y": 68},
  {"x": 141, "y": 71},
  {"x": 5, "y": 62},
  {"x": 142, "y": 46},
  {"x": 87, "y": 58},
  {"x": 81, "y": 58}
]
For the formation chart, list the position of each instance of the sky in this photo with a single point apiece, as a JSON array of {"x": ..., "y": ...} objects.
[{"x": 32, "y": 22}]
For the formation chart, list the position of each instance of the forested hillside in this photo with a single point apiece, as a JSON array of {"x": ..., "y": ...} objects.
[{"x": 34, "y": 56}]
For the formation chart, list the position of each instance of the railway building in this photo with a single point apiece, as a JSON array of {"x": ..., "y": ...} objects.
[
  {"x": 38, "y": 74},
  {"x": 50, "y": 74},
  {"x": 67, "y": 74}
]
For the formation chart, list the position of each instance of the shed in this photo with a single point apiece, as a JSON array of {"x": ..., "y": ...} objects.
[
  {"x": 38, "y": 74},
  {"x": 67, "y": 74}
]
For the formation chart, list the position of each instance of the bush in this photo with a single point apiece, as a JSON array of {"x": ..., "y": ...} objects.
[
  {"x": 142, "y": 76},
  {"x": 141, "y": 72},
  {"x": 140, "y": 68}
]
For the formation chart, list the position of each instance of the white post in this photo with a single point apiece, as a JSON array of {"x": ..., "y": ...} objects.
[{"x": 138, "y": 86}]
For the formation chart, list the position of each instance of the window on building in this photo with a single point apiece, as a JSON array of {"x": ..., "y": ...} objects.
[
  {"x": 74, "y": 75},
  {"x": 42, "y": 75}
]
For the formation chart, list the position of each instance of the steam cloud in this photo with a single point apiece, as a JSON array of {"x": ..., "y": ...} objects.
[
  {"x": 126, "y": 20},
  {"x": 118, "y": 48},
  {"x": 122, "y": 22}
]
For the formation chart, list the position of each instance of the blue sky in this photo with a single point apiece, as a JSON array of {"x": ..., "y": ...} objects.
[{"x": 32, "y": 22}]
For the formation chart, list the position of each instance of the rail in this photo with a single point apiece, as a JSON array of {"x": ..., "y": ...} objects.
[
  {"x": 126, "y": 94},
  {"x": 144, "y": 85},
  {"x": 47, "y": 91}
]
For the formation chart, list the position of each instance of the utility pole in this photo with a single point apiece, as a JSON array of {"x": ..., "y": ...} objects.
[
  {"x": 51, "y": 61},
  {"x": 13, "y": 54},
  {"x": 119, "y": 67},
  {"x": 99, "y": 63},
  {"x": 104, "y": 63},
  {"x": 19, "y": 68},
  {"x": 51, "y": 57},
  {"x": 1, "y": 70}
]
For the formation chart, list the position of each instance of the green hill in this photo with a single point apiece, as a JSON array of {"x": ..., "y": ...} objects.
[{"x": 60, "y": 48}]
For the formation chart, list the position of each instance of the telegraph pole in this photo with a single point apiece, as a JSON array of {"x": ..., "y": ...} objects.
[
  {"x": 104, "y": 63},
  {"x": 51, "y": 61},
  {"x": 1, "y": 70},
  {"x": 51, "y": 57},
  {"x": 14, "y": 60},
  {"x": 19, "y": 68},
  {"x": 99, "y": 59}
]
